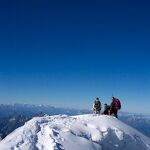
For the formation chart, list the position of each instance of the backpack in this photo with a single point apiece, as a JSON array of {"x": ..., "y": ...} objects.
[
  {"x": 117, "y": 104},
  {"x": 97, "y": 104}
]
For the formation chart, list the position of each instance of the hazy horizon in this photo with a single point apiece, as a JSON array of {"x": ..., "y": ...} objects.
[{"x": 76, "y": 108}]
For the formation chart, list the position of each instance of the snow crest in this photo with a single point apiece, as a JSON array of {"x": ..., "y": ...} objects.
[{"x": 83, "y": 132}]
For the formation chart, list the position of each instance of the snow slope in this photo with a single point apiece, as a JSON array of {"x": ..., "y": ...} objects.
[{"x": 84, "y": 132}]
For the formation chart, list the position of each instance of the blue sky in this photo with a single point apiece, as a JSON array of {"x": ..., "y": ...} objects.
[{"x": 66, "y": 53}]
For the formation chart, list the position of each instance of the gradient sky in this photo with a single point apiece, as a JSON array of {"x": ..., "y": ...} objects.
[{"x": 66, "y": 53}]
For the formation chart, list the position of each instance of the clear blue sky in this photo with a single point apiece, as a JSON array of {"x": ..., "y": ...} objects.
[{"x": 66, "y": 53}]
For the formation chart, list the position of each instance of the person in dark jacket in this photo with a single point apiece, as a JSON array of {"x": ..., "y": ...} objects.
[{"x": 106, "y": 109}]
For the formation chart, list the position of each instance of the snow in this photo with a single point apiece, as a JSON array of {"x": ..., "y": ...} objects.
[{"x": 82, "y": 132}]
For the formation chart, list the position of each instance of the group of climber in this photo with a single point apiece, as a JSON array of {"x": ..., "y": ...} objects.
[{"x": 111, "y": 109}]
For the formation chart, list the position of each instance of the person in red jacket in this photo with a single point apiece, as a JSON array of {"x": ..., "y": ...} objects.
[{"x": 115, "y": 106}]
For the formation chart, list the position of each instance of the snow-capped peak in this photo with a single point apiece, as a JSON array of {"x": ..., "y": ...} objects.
[{"x": 84, "y": 132}]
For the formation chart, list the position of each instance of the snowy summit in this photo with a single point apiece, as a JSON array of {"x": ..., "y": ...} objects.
[{"x": 84, "y": 132}]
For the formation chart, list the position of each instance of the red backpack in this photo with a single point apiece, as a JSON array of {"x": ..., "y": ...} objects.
[{"x": 117, "y": 104}]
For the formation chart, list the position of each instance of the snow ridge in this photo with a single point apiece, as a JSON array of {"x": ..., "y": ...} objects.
[{"x": 83, "y": 132}]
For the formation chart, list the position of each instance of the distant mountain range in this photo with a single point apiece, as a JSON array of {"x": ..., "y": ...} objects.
[
  {"x": 138, "y": 121},
  {"x": 14, "y": 116}
]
